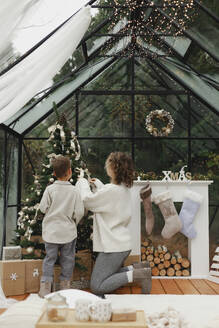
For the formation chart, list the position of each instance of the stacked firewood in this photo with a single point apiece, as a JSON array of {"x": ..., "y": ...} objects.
[{"x": 162, "y": 262}]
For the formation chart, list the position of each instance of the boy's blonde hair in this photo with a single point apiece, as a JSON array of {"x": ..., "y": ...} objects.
[{"x": 61, "y": 165}]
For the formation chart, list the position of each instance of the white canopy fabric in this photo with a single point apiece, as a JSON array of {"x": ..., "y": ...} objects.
[
  {"x": 35, "y": 72},
  {"x": 11, "y": 14}
]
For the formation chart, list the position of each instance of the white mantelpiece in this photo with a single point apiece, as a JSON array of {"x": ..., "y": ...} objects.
[{"x": 198, "y": 248}]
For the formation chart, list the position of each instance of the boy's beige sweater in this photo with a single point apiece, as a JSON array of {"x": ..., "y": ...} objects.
[{"x": 63, "y": 208}]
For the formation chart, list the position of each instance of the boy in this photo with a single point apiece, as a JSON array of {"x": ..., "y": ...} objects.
[{"x": 63, "y": 208}]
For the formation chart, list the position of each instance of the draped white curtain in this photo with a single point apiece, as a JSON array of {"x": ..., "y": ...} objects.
[
  {"x": 35, "y": 72},
  {"x": 11, "y": 14}
]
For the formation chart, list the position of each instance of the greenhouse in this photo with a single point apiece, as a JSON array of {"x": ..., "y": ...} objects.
[{"x": 133, "y": 76}]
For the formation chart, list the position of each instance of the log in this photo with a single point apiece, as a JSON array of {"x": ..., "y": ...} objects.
[
  {"x": 178, "y": 256},
  {"x": 150, "y": 257},
  {"x": 177, "y": 266},
  {"x": 170, "y": 272},
  {"x": 151, "y": 250},
  {"x": 167, "y": 256},
  {"x": 155, "y": 271},
  {"x": 161, "y": 256},
  {"x": 146, "y": 243},
  {"x": 143, "y": 250},
  {"x": 164, "y": 249},
  {"x": 185, "y": 272},
  {"x": 151, "y": 264},
  {"x": 156, "y": 254},
  {"x": 156, "y": 260},
  {"x": 166, "y": 264},
  {"x": 160, "y": 266},
  {"x": 178, "y": 273},
  {"x": 173, "y": 260},
  {"x": 143, "y": 257},
  {"x": 163, "y": 272},
  {"x": 185, "y": 263},
  {"x": 159, "y": 249}
]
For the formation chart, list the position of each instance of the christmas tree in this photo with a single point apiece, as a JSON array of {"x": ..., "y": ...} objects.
[{"x": 29, "y": 225}]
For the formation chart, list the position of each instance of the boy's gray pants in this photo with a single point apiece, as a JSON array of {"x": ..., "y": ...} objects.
[{"x": 67, "y": 260}]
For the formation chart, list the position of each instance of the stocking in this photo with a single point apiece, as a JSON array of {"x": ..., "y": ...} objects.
[
  {"x": 145, "y": 194},
  {"x": 191, "y": 204},
  {"x": 168, "y": 210}
]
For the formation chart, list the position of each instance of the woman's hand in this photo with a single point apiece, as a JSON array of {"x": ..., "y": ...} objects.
[{"x": 92, "y": 180}]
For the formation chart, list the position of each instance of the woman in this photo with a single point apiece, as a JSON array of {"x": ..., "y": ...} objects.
[{"x": 111, "y": 204}]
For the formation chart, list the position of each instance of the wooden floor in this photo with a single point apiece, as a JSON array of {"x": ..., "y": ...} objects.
[
  {"x": 169, "y": 286},
  {"x": 165, "y": 286}
]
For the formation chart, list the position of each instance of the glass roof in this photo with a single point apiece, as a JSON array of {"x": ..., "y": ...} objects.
[{"x": 180, "y": 70}]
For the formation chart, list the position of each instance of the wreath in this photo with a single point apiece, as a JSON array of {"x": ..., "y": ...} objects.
[{"x": 155, "y": 119}]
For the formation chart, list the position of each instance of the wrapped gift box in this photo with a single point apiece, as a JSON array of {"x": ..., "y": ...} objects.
[
  {"x": 20, "y": 277},
  {"x": 12, "y": 275},
  {"x": 11, "y": 253},
  {"x": 33, "y": 271}
]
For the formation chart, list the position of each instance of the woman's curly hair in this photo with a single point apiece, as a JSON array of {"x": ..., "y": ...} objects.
[{"x": 122, "y": 166}]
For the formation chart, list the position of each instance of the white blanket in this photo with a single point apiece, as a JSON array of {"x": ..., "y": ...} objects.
[{"x": 200, "y": 311}]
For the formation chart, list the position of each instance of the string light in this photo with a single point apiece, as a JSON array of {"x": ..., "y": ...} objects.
[{"x": 150, "y": 23}]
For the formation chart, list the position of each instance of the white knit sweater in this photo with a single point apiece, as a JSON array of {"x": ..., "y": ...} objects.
[{"x": 111, "y": 205}]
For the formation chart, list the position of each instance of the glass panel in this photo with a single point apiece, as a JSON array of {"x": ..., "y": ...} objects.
[
  {"x": 116, "y": 77},
  {"x": 37, "y": 112},
  {"x": 12, "y": 187},
  {"x": 175, "y": 105},
  {"x": 206, "y": 31},
  {"x": 205, "y": 163},
  {"x": 68, "y": 108},
  {"x": 36, "y": 150},
  {"x": 146, "y": 76},
  {"x": 204, "y": 122},
  {"x": 152, "y": 77},
  {"x": 204, "y": 64},
  {"x": 156, "y": 155},
  {"x": 105, "y": 116},
  {"x": 95, "y": 153},
  {"x": 192, "y": 81},
  {"x": 1, "y": 184}
]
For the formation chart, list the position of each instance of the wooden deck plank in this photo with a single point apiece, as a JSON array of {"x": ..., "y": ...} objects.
[
  {"x": 214, "y": 286},
  {"x": 136, "y": 290},
  {"x": 2, "y": 310},
  {"x": 123, "y": 290},
  {"x": 202, "y": 287},
  {"x": 157, "y": 288},
  {"x": 186, "y": 286},
  {"x": 19, "y": 297},
  {"x": 170, "y": 286}
]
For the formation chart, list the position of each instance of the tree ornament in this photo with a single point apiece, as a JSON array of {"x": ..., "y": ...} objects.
[{"x": 153, "y": 121}]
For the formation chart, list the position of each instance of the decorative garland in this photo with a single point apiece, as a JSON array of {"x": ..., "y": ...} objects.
[{"x": 162, "y": 116}]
